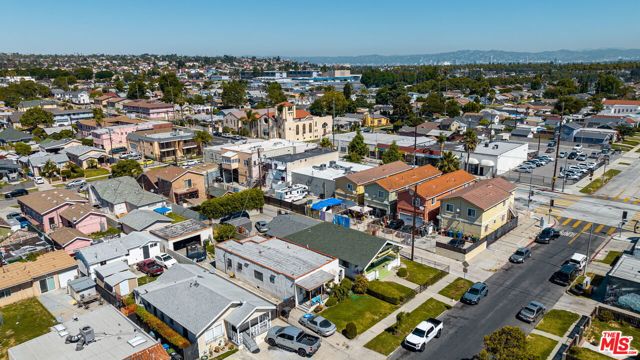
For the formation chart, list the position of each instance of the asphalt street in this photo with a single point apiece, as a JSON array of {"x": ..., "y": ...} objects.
[{"x": 510, "y": 288}]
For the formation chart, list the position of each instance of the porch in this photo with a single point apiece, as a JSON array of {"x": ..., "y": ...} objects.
[
  {"x": 246, "y": 333},
  {"x": 311, "y": 290},
  {"x": 383, "y": 264}
]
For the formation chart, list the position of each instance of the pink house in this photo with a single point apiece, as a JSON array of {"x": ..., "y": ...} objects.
[
  {"x": 43, "y": 208},
  {"x": 70, "y": 240},
  {"x": 114, "y": 137},
  {"x": 84, "y": 218}
]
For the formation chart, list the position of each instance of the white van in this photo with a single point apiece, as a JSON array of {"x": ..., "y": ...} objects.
[{"x": 579, "y": 259}]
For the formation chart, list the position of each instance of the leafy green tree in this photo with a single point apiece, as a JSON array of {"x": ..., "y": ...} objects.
[
  {"x": 347, "y": 91},
  {"x": 391, "y": 154},
  {"x": 137, "y": 90},
  {"x": 49, "y": 170},
  {"x": 401, "y": 106},
  {"x": 223, "y": 232},
  {"x": 623, "y": 129},
  {"x": 64, "y": 82},
  {"x": 452, "y": 108},
  {"x": 24, "y": 90},
  {"x": 434, "y": 104},
  {"x": 275, "y": 95},
  {"x": 448, "y": 162},
  {"x": 36, "y": 116},
  {"x": 119, "y": 85},
  {"x": 325, "y": 104},
  {"x": 357, "y": 149},
  {"x": 72, "y": 171},
  {"x": 608, "y": 84},
  {"x": 469, "y": 141},
  {"x": 234, "y": 93},
  {"x": 86, "y": 142},
  {"x": 536, "y": 83},
  {"x": 441, "y": 140},
  {"x": 171, "y": 87},
  {"x": 202, "y": 137},
  {"x": 567, "y": 105},
  {"x": 98, "y": 114},
  {"x": 62, "y": 134},
  {"x": 472, "y": 107},
  {"x": 83, "y": 73},
  {"x": 22, "y": 149},
  {"x": 326, "y": 143},
  {"x": 507, "y": 343},
  {"x": 104, "y": 75},
  {"x": 244, "y": 200},
  {"x": 127, "y": 167}
]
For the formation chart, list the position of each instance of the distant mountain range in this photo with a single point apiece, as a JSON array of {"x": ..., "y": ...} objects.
[{"x": 480, "y": 57}]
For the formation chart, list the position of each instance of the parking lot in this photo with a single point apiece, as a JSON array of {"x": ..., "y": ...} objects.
[{"x": 543, "y": 175}]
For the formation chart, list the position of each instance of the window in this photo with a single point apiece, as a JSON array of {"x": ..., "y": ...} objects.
[
  {"x": 471, "y": 213},
  {"x": 272, "y": 279},
  {"x": 153, "y": 245},
  {"x": 449, "y": 208},
  {"x": 310, "y": 127},
  {"x": 350, "y": 187},
  {"x": 213, "y": 334},
  {"x": 433, "y": 201},
  {"x": 47, "y": 284},
  {"x": 297, "y": 129},
  {"x": 380, "y": 193},
  {"x": 417, "y": 202},
  {"x": 239, "y": 267},
  {"x": 257, "y": 275},
  {"x": 187, "y": 183},
  {"x": 246, "y": 163},
  {"x": 5, "y": 293}
]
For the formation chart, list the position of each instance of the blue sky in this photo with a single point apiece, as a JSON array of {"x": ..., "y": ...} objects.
[{"x": 305, "y": 28}]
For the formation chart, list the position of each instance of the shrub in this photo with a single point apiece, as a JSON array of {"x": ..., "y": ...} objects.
[
  {"x": 162, "y": 329},
  {"x": 331, "y": 302},
  {"x": 605, "y": 315},
  {"x": 244, "y": 200},
  {"x": 318, "y": 308},
  {"x": 360, "y": 285},
  {"x": 390, "y": 292},
  {"x": 341, "y": 291},
  {"x": 224, "y": 232},
  {"x": 350, "y": 331},
  {"x": 402, "y": 272}
]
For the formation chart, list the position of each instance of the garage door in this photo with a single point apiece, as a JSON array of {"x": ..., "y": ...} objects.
[
  {"x": 179, "y": 245},
  {"x": 408, "y": 219},
  {"x": 65, "y": 277}
]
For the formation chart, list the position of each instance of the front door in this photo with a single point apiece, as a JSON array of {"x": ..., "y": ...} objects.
[{"x": 145, "y": 252}]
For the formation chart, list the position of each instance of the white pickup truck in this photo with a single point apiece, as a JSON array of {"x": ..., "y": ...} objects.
[
  {"x": 579, "y": 259},
  {"x": 423, "y": 333}
]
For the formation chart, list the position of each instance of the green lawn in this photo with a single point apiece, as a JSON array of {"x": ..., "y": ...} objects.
[
  {"x": 98, "y": 178},
  {"x": 422, "y": 274},
  {"x": 146, "y": 279},
  {"x": 598, "y": 326},
  {"x": 4, "y": 232},
  {"x": 390, "y": 291},
  {"x": 611, "y": 258},
  {"x": 540, "y": 346},
  {"x": 386, "y": 341},
  {"x": 625, "y": 163},
  {"x": 456, "y": 289},
  {"x": 176, "y": 217},
  {"x": 597, "y": 183},
  {"x": 109, "y": 232},
  {"x": 586, "y": 354},
  {"x": 89, "y": 173},
  {"x": 362, "y": 310},
  {"x": 23, "y": 321},
  {"x": 621, "y": 147},
  {"x": 557, "y": 322},
  {"x": 630, "y": 142}
]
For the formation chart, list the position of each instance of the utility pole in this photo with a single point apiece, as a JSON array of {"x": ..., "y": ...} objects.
[
  {"x": 588, "y": 249},
  {"x": 555, "y": 166},
  {"x": 413, "y": 228},
  {"x": 333, "y": 124}
]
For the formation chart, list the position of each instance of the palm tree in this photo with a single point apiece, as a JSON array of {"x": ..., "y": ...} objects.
[
  {"x": 251, "y": 116},
  {"x": 202, "y": 137},
  {"x": 470, "y": 141},
  {"x": 448, "y": 162},
  {"x": 441, "y": 139}
]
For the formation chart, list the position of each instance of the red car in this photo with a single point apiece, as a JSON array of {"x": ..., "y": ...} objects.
[{"x": 150, "y": 267}]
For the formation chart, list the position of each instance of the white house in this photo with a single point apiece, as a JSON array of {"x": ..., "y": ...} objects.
[
  {"x": 280, "y": 268},
  {"x": 131, "y": 248},
  {"x": 620, "y": 107},
  {"x": 495, "y": 158},
  {"x": 177, "y": 236}
]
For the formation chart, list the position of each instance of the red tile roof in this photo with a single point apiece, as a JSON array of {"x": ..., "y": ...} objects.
[
  {"x": 300, "y": 114},
  {"x": 398, "y": 181},
  {"x": 376, "y": 173},
  {"x": 621, "y": 102},
  {"x": 444, "y": 183},
  {"x": 485, "y": 194}
]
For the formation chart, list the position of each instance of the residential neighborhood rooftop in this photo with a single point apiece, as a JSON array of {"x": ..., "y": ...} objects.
[
  {"x": 21, "y": 272},
  {"x": 179, "y": 229}
]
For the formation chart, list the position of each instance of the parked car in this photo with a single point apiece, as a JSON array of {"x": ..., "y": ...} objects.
[
  {"x": 262, "y": 226},
  {"x": 572, "y": 155},
  {"x": 13, "y": 215},
  {"x": 196, "y": 252},
  {"x": 423, "y": 333},
  {"x": 581, "y": 157},
  {"x": 75, "y": 183},
  {"x": 16, "y": 193},
  {"x": 190, "y": 163},
  {"x": 165, "y": 260},
  {"x": 562, "y": 154},
  {"x": 146, "y": 162},
  {"x": 577, "y": 147},
  {"x": 395, "y": 224},
  {"x": 38, "y": 180},
  {"x": 550, "y": 150},
  {"x": 235, "y": 215},
  {"x": 580, "y": 260},
  {"x": 594, "y": 155},
  {"x": 520, "y": 255},
  {"x": 573, "y": 176},
  {"x": 294, "y": 339},
  {"x": 551, "y": 143},
  {"x": 23, "y": 221},
  {"x": 547, "y": 234},
  {"x": 317, "y": 324},
  {"x": 150, "y": 267},
  {"x": 532, "y": 312},
  {"x": 567, "y": 273},
  {"x": 524, "y": 169},
  {"x": 475, "y": 293}
]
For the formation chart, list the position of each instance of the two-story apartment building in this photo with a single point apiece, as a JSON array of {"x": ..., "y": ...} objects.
[
  {"x": 426, "y": 201},
  {"x": 115, "y": 137},
  {"x": 382, "y": 195},
  {"x": 478, "y": 210},
  {"x": 181, "y": 186},
  {"x": 165, "y": 145},
  {"x": 85, "y": 127},
  {"x": 351, "y": 186},
  {"x": 44, "y": 208},
  {"x": 150, "y": 110}
]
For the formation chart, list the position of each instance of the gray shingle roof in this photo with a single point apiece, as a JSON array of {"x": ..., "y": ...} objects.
[
  {"x": 124, "y": 189},
  {"x": 115, "y": 248},
  {"x": 13, "y": 135},
  {"x": 39, "y": 159},
  {"x": 179, "y": 229},
  {"x": 207, "y": 296},
  {"x": 353, "y": 246},
  {"x": 139, "y": 220},
  {"x": 287, "y": 224}
]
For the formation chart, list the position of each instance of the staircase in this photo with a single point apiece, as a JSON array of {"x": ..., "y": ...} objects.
[{"x": 249, "y": 343}]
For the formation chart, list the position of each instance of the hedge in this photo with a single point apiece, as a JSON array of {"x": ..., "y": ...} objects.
[
  {"x": 244, "y": 200},
  {"x": 162, "y": 329},
  {"x": 390, "y": 292}
]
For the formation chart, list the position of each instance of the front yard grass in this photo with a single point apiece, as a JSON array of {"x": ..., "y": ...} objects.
[
  {"x": 89, "y": 173},
  {"x": 540, "y": 346},
  {"x": 146, "y": 279},
  {"x": 109, "y": 232},
  {"x": 456, "y": 289},
  {"x": 390, "y": 291},
  {"x": 611, "y": 258},
  {"x": 175, "y": 217},
  {"x": 586, "y": 354},
  {"x": 621, "y": 147},
  {"x": 597, "y": 183},
  {"x": 23, "y": 321},
  {"x": 422, "y": 274},
  {"x": 557, "y": 322},
  {"x": 362, "y": 310},
  {"x": 387, "y": 341}
]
